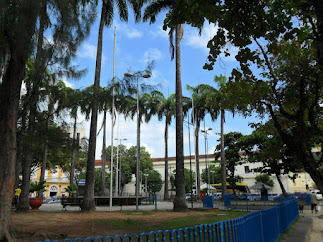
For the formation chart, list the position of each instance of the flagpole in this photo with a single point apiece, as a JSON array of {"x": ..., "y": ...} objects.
[{"x": 112, "y": 118}]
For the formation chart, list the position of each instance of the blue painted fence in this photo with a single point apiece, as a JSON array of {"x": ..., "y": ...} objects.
[{"x": 263, "y": 225}]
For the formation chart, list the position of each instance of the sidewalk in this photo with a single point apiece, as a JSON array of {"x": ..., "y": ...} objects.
[
  {"x": 317, "y": 231},
  {"x": 309, "y": 228}
]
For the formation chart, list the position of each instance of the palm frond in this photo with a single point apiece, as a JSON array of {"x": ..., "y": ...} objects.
[
  {"x": 108, "y": 5},
  {"x": 154, "y": 8},
  {"x": 123, "y": 9}
]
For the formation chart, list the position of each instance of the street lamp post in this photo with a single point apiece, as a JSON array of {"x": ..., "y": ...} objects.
[
  {"x": 189, "y": 148},
  {"x": 127, "y": 74},
  {"x": 205, "y": 131},
  {"x": 118, "y": 170},
  {"x": 212, "y": 176},
  {"x": 146, "y": 190}
]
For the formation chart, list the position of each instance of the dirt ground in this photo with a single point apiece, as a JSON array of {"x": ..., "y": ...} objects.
[{"x": 40, "y": 225}]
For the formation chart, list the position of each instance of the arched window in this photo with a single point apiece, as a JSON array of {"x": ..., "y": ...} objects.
[{"x": 53, "y": 188}]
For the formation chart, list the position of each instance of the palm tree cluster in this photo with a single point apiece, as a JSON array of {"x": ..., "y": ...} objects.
[{"x": 32, "y": 121}]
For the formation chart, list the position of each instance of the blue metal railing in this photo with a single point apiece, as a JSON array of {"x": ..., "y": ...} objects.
[{"x": 263, "y": 225}]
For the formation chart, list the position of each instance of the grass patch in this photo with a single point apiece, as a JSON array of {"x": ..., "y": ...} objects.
[
  {"x": 121, "y": 223},
  {"x": 283, "y": 236},
  {"x": 191, "y": 221},
  {"x": 137, "y": 213},
  {"x": 140, "y": 225}
]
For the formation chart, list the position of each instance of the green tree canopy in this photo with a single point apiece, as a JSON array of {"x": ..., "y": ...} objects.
[
  {"x": 187, "y": 179},
  {"x": 232, "y": 146},
  {"x": 154, "y": 181},
  {"x": 265, "y": 179},
  {"x": 215, "y": 174},
  {"x": 283, "y": 40}
]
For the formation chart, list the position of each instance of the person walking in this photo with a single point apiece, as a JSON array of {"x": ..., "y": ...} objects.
[{"x": 314, "y": 202}]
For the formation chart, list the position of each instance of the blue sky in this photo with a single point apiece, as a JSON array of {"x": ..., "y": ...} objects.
[{"x": 135, "y": 45}]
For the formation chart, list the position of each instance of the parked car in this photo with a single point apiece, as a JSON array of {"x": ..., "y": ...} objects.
[
  {"x": 254, "y": 197},
  {"x": 243, "y": 196},
  {"x": 188, "y": 196},
  {"x": 272, "y": 196},
  {"x": 314, "y": 191}
]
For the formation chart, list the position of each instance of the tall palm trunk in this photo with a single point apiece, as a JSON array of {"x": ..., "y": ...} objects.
[
  {"x": 180, "y": 201},
  {"x": 223, "y": 168},
  {"x": 45, "y": 152},
  {"x": 88, "y": 202},
  {"x": 104, "y": 155},
  {"x": 75, "y": 144},
  {"x": 197, "y": 159},
  {"x": 166, "y": 195}
]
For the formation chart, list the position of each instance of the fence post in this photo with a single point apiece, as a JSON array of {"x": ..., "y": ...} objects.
[
  {"x": 262, "y": 227},
  {"x": 221, "y": 231}
]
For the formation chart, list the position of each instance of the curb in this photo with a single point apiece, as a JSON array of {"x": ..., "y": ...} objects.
[{"x": 301, "y": 230}]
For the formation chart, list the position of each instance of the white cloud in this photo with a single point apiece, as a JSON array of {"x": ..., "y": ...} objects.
[
  {"x": 128, "y": 31},
  {"x": 194, "y": 40},
  {"x": 152, "y": 54},
  {"x": 89, "y": 51},
  {"x": 151, "y": 135},
  {"x": 159, "y": 32}
]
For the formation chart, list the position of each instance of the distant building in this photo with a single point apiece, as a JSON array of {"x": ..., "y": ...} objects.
[
  {"x": 246, "y": 171},
  {"x": 56, "y": 179}
]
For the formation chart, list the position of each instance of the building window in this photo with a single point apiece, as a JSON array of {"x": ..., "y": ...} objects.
[{"x": 246, "y": 169}]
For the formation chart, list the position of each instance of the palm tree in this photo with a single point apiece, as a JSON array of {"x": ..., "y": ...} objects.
[
  {"x": 71, "y": 101},
  {"x": 145, "y": 111},
  {"x": 106, "y": 19},
  {"x": 150, "y": 13},
  {"x": 217, "y": 101},
  {"x": 164, "y": 108},
  {"x": 53, "y": 93},
  {"x": 199, "y": 96}
]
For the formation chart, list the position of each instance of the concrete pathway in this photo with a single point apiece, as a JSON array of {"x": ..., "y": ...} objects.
[
  {"x": 317, "y": 230},
  {"x": 161, "y": 205}
]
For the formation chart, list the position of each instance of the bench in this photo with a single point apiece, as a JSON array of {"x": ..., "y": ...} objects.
[{"x": 71, "y": 201}]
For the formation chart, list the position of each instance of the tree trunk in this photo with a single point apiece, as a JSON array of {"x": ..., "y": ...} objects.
[
  {"x": 23, "y": 205},
  {"x": 197, "y": 158},
  {"x": 45, "y": 153},
  {"x": 20, "y": 147},
  {"x": 166, "y": 194},
  {"x": 36, "y": 78},
  {"x": 180, "y": 201},
  {"x": 311, "y": 167},
  {"x": 9, "y": 99},
  {"x": 88, "y": 201},
  {"x": 75, "y": 144},
  {"x": 223, "y": 168},
  {"x": 281, "y": 184},
  {"x": 104, "y": 156},
  {"x": 319, "y": 51},
  {"x": 20, "y": 47}
]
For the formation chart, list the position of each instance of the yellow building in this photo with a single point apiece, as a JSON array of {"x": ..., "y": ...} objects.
[{"x": 56, "y": 182}]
